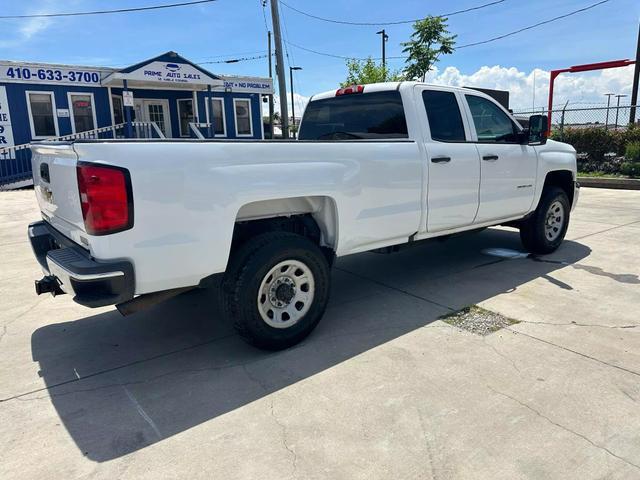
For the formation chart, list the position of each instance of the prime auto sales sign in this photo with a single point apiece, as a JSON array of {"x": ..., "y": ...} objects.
[{"x": 171, "y": 73}]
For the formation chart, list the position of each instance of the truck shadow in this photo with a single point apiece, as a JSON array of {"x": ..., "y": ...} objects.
[{"x": 121, "y": 384}]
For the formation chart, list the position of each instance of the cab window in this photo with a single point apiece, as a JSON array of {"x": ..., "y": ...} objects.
[
  {"x": 443, "y": 113},
  {"x": 492, "y": 124}
]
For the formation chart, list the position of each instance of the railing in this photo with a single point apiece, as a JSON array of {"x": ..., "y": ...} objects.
[
  {"x": 15, "y": 161},
  {"x": 15, "y": 166},
  {"x": 200, "y": 130},
  {"x": 145, "y": 130}
]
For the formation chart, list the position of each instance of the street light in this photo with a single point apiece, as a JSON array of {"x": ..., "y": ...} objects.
[
  {"x": 608, "y": 95},
  {"x": 385, "y": 37},
  {"x": 293, "y": 108},
  {"x": 618, "y": 107}
]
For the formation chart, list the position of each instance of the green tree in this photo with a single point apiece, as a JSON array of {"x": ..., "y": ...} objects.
[
  {"x": 429, "y": 41},
  {"x": 361, "y": 72}
]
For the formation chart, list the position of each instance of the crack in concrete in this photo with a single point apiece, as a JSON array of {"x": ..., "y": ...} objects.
[
  {"x": 377, "y": 282},
  {"x": 605, "y": 231},
  {"x": 282, "y": 426},
  {"x": 576, "y": 324},
  {"x": 120, "y": 367},
  {"x": 567, "y": 349},
  {"x": 3, "y": 333},
  {"x": 563, "y": 427},
  {"x": 505, "y": 357}
]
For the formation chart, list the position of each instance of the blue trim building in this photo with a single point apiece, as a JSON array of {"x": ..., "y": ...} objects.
[{"x": 166, "y": 96}]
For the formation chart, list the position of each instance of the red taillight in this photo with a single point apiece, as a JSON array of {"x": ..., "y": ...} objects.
[
  {"x": 105, "y": 198},
  {"x": 350, "y": 90}
]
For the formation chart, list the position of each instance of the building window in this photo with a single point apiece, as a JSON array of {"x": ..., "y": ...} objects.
[
  {"x": 185, "y": 113},
  {"x": 42, "y": 114},
  {"x": 242, "y": 110},
  {"x": 82, "y": 113},
  {"x": 219, "y": 122},
  {"x": 118, "y": 109}
]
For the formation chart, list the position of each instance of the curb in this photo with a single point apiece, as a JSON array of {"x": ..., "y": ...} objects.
[{"x": 617, "y": 183}]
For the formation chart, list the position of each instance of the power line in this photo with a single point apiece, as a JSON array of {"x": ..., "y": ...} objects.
[
  {"x": 102, "y": 12},
  {"x": 544, "y": 22},
  {"x": 234, "y": 60},
  {"x": 399, "y": 22},
  {"x": 233, "y": 55},
  {"x": 482, "y": 42}
]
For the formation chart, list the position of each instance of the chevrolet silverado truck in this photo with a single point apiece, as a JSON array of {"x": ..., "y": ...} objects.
[{"x": 132, "y": 222}]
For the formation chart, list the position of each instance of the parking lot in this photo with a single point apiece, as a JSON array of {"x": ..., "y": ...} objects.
[{"x": 382, "y": 388}]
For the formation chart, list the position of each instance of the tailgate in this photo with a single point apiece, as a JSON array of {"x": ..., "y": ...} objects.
[{"x": 56, "y": 187}]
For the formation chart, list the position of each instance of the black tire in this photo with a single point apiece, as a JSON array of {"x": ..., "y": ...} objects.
[
  {"x": 248, "y": 268},
  {"x": 532, "y": 230}
]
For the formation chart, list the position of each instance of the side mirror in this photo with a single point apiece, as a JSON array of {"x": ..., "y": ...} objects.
[{"x": 538, "y": 127}]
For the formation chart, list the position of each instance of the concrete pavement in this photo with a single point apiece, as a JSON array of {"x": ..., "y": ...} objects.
[{"x": 382, "y": 389}]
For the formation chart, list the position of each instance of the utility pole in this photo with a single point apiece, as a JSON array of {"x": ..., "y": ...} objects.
[
  {"x": 282, "y": 82},
  {"x": 608, "y": 95},
  {"x": 271, "y": 77},
  {"x": 385, "y": 37},
  {"x": 636, "y": 78},
  {"x": 618, "y": 107},
  {"x": 533, "y": 100},
  {"x": 293, "y": 105}
]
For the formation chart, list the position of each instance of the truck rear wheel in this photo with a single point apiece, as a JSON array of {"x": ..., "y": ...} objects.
[
  {"x": 276, "y": 289},
  {"x": 544, "y": 231}
]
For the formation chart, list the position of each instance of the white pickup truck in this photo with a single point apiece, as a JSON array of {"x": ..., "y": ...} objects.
[{"x": 375, "y": 167}]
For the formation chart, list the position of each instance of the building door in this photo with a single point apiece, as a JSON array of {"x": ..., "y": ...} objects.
[{"x": 156, "y": 111}]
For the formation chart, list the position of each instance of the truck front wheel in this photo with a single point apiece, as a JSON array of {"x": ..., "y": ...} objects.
[
  {"x": 544, "y": 230},
  {"x": 276, "y": 289}
]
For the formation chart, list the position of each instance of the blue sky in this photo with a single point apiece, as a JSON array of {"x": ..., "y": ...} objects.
[{"x": 230, "y": 28}]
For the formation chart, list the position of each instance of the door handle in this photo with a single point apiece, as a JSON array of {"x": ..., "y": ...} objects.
[
  {"x": 440, "y": 159},
  {"x": 490, "y": 158}
]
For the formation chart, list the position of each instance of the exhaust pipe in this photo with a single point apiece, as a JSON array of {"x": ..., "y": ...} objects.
[{"x": 48, "y": 284}]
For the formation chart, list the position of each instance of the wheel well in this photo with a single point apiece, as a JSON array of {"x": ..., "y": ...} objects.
[
  {"x": 304, "y": 225},
  {"x": 562, "y": 179},
  {"x": 311, "y": 217}
]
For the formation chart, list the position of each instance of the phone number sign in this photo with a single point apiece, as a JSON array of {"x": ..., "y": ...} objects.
[{"x": 60, "y": 76}]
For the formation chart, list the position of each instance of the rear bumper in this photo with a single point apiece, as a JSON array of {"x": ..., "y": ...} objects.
[
  {"x": 576, "y": 194},
  {"x": 70, "y": 269}
]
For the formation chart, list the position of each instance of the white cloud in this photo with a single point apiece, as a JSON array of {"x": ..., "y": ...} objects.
[
  {"x": 577, "y": 88},
  {"x": 31, "y": 27},
  {"x": 300, "y": 100}
]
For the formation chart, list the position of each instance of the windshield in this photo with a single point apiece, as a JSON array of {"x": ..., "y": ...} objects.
[{"x": 375, "y": 115}]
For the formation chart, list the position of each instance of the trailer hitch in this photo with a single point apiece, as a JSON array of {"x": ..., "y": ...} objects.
[{"x": 48, "y": 284}]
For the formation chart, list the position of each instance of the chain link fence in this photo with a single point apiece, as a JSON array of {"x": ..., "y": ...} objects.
[{"x": 609, "y": 118}]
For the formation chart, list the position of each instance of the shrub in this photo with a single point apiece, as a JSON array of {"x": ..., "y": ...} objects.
[
  {"x": 595, "y": 142},
  {"x": 632, "y": 152},
  {"x": 631, "y": 169}
]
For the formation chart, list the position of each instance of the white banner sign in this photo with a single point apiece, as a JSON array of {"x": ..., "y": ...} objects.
[
  {"x": 25, "y": 73},
  {"x": 6, "y": 131},
  {"x": 263, "y": 86},
  {"x": 170, "y": 73}
]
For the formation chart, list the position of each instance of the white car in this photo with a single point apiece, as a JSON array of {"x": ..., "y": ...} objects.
[{"x": 375, "y": 166}]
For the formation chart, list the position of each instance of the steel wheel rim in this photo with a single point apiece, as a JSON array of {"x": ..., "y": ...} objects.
[
  {"x": 554, "y": 221},
  {"x": 286, "y": 294}
]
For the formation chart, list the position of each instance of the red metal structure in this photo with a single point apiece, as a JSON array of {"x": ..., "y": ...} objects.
[{"x": 582, "y": 68}]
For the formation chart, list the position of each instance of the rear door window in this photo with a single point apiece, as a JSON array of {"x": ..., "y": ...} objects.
[
  {"x": 376, "y": 115},
  {"x": 443, "y": 113}
]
